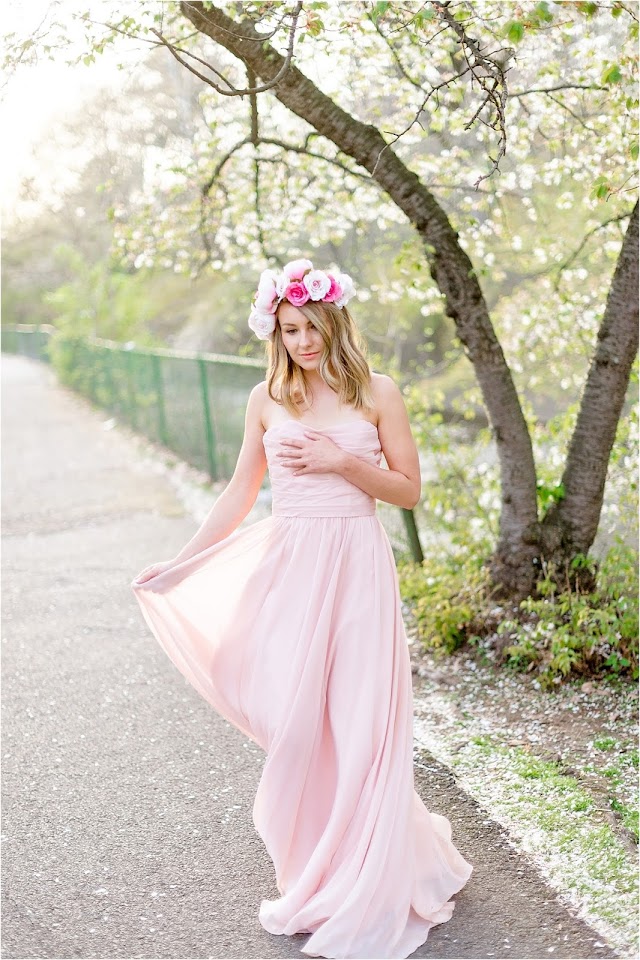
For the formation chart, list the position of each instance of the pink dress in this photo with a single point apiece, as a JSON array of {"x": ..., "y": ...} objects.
[{"x": 292, "y": 630}]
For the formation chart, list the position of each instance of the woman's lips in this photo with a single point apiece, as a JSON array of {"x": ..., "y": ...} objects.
[{"x": 307, "y": 356}]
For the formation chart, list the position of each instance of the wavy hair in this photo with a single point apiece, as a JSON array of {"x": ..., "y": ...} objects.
[{"x": 343, "y": 365}]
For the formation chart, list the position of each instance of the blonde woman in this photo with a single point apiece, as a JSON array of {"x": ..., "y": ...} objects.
[{"x": 291, "y": 628}]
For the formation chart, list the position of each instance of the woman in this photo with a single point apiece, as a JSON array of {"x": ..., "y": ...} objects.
[{"x": 292, "y": 630}]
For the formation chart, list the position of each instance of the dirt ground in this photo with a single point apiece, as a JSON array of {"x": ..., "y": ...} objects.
[{"x": 588, "y": 730}]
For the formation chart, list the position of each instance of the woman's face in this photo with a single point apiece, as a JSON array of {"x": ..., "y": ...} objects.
[{"x": 303, "y": 341}]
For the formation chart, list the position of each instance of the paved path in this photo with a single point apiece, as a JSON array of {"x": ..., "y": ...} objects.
[{"x": 126, "y": 806}]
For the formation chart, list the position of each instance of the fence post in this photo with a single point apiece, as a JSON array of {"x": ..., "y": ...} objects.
[
  {"x": 412, "y": 533},
  {"x": 109, "y": 382},
  {"x": 208, "y": 426},
  {"x": 131, "y": 387},
  {"x": 162, "y": 422}
]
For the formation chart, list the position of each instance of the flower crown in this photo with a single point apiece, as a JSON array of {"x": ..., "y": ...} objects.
[{"x": 297, "y": 283}]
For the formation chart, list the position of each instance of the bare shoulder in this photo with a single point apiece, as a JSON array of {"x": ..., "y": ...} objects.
[
  {"x": 385, "y": 392},
  {"x": 259, "y": 392},
  {"x": 256, "y": 404},
  {"x": 394, "y": 430},
  {"x": 383, "y": 382}
]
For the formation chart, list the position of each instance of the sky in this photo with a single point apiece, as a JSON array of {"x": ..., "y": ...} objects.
[{"x": 36, "y": 97}]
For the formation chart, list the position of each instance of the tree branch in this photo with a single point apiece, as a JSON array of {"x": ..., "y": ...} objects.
[
  {"x": 560, "y": 86},
  {"x": 576, "y": 253},
  {"x": 233, "y": 91},
  {"x": 394, "y": 53},
  {"x": 489, "y": 71}
]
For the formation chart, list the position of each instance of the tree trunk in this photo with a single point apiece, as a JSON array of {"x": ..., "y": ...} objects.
[{"x": 571, "y": 524}]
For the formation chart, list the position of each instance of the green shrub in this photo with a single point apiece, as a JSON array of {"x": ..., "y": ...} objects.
[
  {"x": 446, "y": 595},
  {"x": 566, "y": 633},
  {"x": 559, "y": 634}
]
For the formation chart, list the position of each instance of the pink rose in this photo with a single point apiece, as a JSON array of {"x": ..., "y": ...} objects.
[
  {"x": 295, "y": 269},
  {"x": 297, "y": 294},
  {"x": 335, "y": 290}
]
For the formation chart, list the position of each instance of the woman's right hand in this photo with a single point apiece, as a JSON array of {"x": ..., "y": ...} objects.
[{"x": 153, "y": 570}]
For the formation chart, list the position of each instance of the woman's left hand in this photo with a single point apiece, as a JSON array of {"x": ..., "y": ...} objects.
[{"x": 313, "y": 454}]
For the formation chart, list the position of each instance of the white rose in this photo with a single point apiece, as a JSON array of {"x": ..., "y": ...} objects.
[
  {"x": 282, "y": 282},
  {"x": 267, "y": 300},
  {"x": 317, "y": 284},
  {"x": 267, "y": 278},
  {"x": 348, "y": 289},
  {"x": 266, "y": 294},
  {"x": 262, "y": 324}
]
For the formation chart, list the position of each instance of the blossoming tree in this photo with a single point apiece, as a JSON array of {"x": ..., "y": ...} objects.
[{"x": 288, "y": 83}]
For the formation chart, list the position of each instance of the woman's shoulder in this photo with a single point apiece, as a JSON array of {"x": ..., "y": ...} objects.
[
  {"x": 260, "y": 389},
  {"x": 258, "y": 397},
  {"x": 262, "y": 402},
  {"x": 384, "y": 391},
  {"x": 383, "y": 386}
]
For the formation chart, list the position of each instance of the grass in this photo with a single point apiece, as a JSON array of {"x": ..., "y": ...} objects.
[{"x": 555, "y": 820}]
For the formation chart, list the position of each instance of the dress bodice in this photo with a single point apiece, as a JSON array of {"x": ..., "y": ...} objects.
[{"x": 321, "y": 494}]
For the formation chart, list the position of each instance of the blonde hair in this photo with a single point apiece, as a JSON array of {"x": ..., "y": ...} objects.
[{"x": 343, "y": 365}]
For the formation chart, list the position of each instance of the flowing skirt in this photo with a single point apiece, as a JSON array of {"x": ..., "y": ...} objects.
[{"x": 292, "y": 630}]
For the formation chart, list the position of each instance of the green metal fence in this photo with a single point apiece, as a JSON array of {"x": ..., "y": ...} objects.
[
  {"x": 29, "y": 340},
  {"x": 192, "y": 403}
]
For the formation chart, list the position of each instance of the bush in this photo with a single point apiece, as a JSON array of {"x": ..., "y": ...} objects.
[
  {"x": 566, "y": 633},
  {"x": 557, "y": 634},
  {"x": 447, "y": 595}
]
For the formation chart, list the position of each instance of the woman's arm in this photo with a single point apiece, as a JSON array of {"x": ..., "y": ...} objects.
[
  {"x": 239, "y": 496},
  {"x": 400, "y": 485}
]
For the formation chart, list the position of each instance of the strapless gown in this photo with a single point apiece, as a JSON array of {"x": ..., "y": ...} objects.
[{"x": 291, "y": 629}]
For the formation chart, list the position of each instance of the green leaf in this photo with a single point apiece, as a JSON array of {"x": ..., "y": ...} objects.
[
  {"x": 542, "y": 11},
  {"x": 515, "y": 31},
  {"x": 633, "y": 150},
  {"x": 379, "y": 9},
  {"x": 611, "y": 74},
  {"x": 423, "y": 16},
  {"x": 600, "y": 190}
]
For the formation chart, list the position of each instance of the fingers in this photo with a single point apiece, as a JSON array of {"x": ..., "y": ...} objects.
[
  {"x": 293, "y": 459},
  {"x": 293, "y": 456}
]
